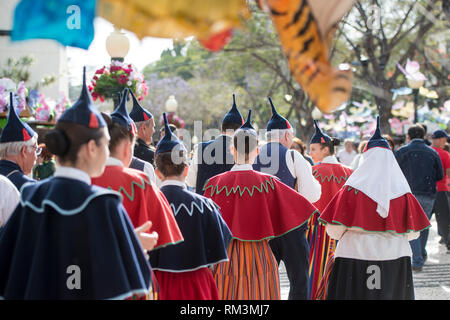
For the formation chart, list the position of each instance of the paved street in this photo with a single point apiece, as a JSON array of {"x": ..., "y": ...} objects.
[{"x": 433, "y": 283}]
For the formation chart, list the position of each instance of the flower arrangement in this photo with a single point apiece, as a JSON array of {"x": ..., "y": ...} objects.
[
  {"x": 109, "y": 80},
  {"x": 172, "y": 118},
  {"x": 20, "y": 94}
]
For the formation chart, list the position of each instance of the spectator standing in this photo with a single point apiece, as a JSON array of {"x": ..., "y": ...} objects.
[
  {"x": 346, "y": 155},
  {"x": 422, "y": 168},
  {"x": 442, "y": 203}
]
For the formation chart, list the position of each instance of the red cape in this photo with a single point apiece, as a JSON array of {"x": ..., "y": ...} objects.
[
  {"x": 331, "y": 177},
  {"x": 142, "y": 201},
  {"x": 352, "y": 208},
  {"x": 257, "y": 206}
]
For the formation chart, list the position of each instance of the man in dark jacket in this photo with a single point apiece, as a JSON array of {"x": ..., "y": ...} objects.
[{"x": 422, "y": 168}]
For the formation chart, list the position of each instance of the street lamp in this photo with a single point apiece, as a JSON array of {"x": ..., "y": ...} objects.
[
  {"x": 117, "y": 45},
  {"x": 171, "y": 104},
  {"x": 415, "y": 85}
]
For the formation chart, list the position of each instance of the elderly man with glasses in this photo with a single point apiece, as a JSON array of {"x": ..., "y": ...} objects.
[{"x": 18, "y": 149}]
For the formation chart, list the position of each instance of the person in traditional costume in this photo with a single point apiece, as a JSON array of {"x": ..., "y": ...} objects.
[
  {"x": 257, "y": 207},
  {"x": 183, "y": 271},
  {"x": 331, "y": 175},
  {"x": 18, "y": 149},
  {"x": 293, "y": 170},
  {"x": 9, "y": 199},
  {"x": 68, "y": 239},
  {"x": 141, "y": 198},
  {"x": 213, "y": 157},
  {"x": 373, "y": 217}
]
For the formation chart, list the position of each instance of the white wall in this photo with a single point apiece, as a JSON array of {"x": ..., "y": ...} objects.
[{"x": 49, "y": 56}]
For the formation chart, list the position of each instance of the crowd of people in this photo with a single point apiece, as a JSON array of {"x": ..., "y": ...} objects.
[{"x": 108, "y": 216}]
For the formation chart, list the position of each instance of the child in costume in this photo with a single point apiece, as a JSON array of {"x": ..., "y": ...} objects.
[
  {"x": 68, "y": 239},
  {"x": 257, "y": 207},
  {"x": 183, "y": 270},
  {"x": 374, "y": 215},
  {"x": 331, "y": 175},
  {"x": 142, "y": 200}
]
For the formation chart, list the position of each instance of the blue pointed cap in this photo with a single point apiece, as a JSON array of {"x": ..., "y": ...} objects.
[
  {"x": 139, "y": 114},
  {"x": 277, "y": 122},
  {"x": 15, "y": 129},
  {"x": 83, "y": 111},
  {"x": 377, "y": 139},
  {"x": 120, "y": 114},
  {"x": 248, "y": 124},
  {"x": 233, "y": 116},
  {"x": 169, "y": 141},
  {"x": 319, "y": 136}
]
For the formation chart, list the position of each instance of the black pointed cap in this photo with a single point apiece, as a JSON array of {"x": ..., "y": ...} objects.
[
  {"x": 233, "y": 116},
  {"x": 170, "y": 140},
  {"x": 15, "y": 129},
  {"x": 248, "y": 124},
  {"x": 319, "y": 136},
  {"x": 138, "y": 113},
  {"x": 120, "y": 114},
  {"x": 277, "y": 122},
  {"x": 83, "y": 111},
  {"x": 377, "y": 139}
]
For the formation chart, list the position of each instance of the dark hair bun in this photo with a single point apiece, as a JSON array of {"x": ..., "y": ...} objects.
[
  {"x": 57, "y": 142},
  {"x": 336, "y": 141}
]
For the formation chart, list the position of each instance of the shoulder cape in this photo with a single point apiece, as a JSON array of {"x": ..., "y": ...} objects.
[
  {"x": 63, "y": 227},
  {"x": 257, "y": 206},
  {"x": 353, "y": 209},
  {"x": 331, "y": 177},
  {"x": 142, "y": 201},
  {"x": 206, "y": 235}
]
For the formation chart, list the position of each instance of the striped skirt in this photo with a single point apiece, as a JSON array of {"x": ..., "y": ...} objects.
[
  {"x": 250, "y": 274},
  {"x": 322, "y": 252}
]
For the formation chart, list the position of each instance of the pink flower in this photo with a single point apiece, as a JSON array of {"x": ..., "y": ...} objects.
[{"x": 100, "y": 71}]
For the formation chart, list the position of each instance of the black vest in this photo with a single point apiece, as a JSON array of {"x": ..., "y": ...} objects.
[
  {"x": 137, "y": 164},
  {"x": 143, "y": 152},
  {"x": 214, "y": 157}
]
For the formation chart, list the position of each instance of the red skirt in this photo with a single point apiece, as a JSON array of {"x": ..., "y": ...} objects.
[{"x": 189, "y": 285}]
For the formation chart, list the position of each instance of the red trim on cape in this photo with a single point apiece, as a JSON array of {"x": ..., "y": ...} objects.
[
  {"x": 331, "y": 177},
  {"x": 352, "y": 208},
  {"x": 257, "y": 206},
  {"x": 142, "y": 201}
]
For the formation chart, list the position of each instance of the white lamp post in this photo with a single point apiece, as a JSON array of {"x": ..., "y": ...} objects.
[
  {"x": 171, "y": 104},
  {"x": 117, "y": 45},
  {"x": 415, "y": 85}
]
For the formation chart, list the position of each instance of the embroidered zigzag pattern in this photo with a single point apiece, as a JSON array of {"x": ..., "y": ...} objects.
[
  {"x": 329, "y": 178},
  {"x": 133, "y": 184},
  {"x": 265, "y": 185},
  {"x": 201, "y": 207},
  {"x": 350, "y": 188}
]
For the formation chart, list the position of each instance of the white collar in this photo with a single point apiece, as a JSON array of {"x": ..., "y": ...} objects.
[
  {"x": 173, "y": 183},
  {"x": 242, "y": 167},
  {"x": 111, "y": 161},
  {"x": 72, "y": 173},
  {"x": 330, "y": 159}
]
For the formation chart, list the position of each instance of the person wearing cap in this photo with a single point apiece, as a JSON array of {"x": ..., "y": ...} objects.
[
  {"x": 293, "y": 170},
  {"x": 9, "y": 199},
  {"x": 257, "y": 207},
  {"x": 373, "y": 216},
  {"x": 442, "y": 203},
  {"x": 183, "y": 271},
  {"x": 422, "y": 168},
  {"x": 145, "y": 125},
  {"x": 141, "y": 198},
  {"x": 214, "y": 157},
  {"x": 68, "y": 239},
  {"x": 18, "y": 149},
  {"x": 331, "y": 175}
]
